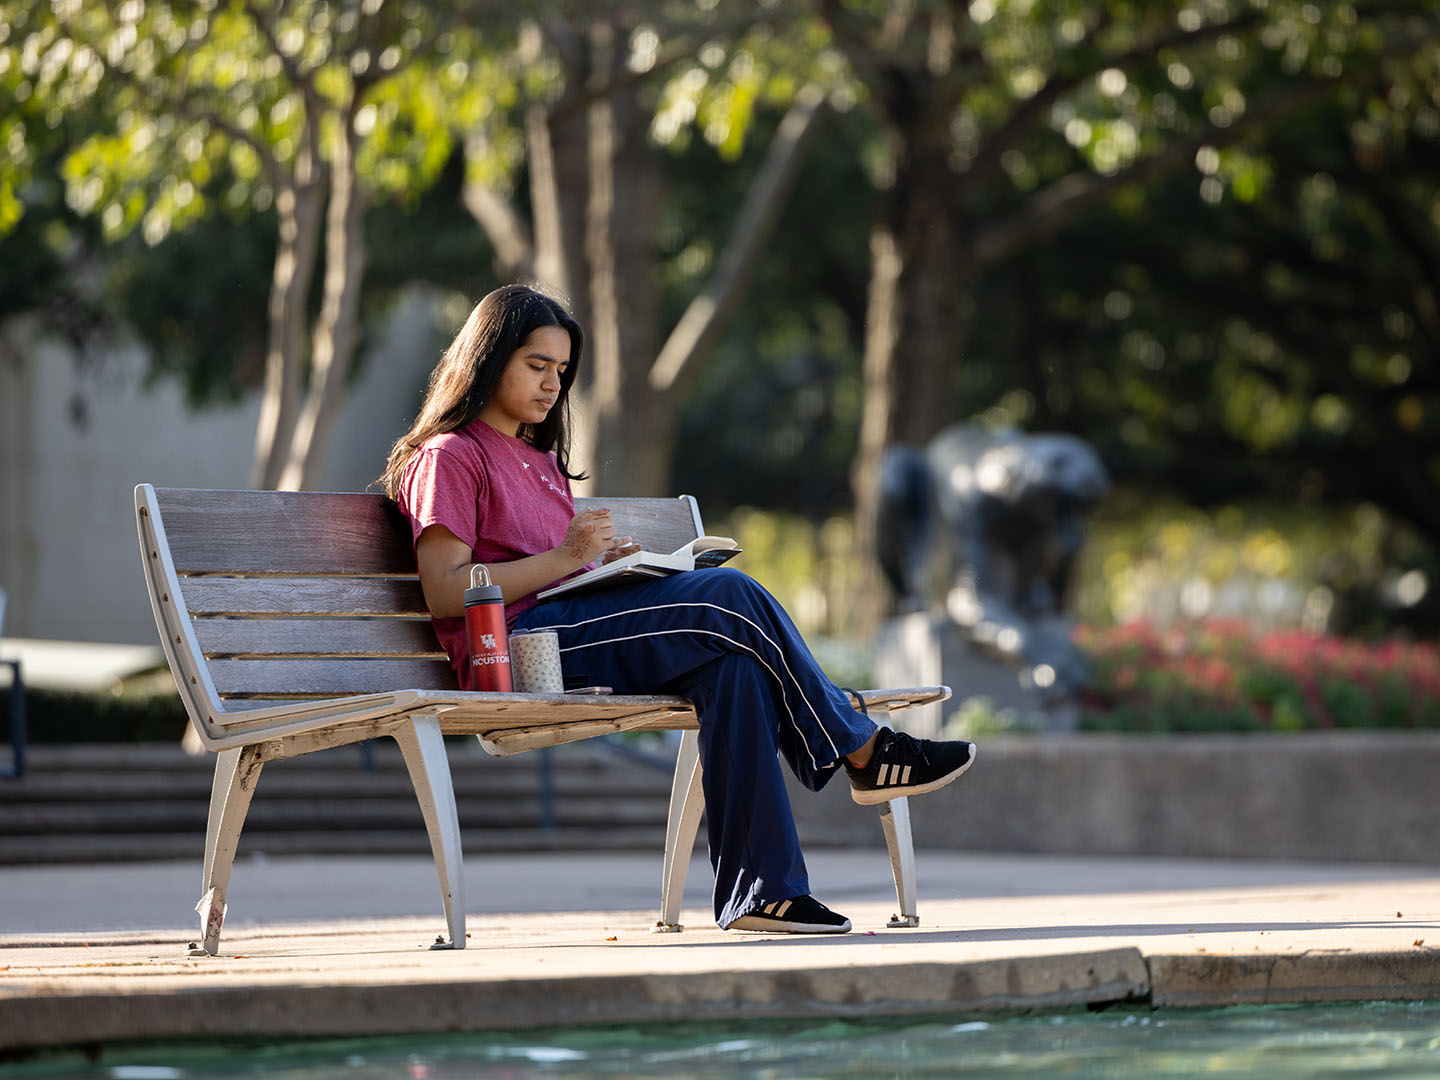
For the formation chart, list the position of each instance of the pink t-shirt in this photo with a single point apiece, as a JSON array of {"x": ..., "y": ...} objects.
[{"x": 499, "y": 494}]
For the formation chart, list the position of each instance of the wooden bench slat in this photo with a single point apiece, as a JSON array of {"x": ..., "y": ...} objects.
[
  {"x": 239, "y": 532},
  {"x": 303, "y": 596},
  {"x": 308, "y": 678},
  {"x": 655, "y": 524},
  {"x": 535, "y": 710},
  {"x": 318, "y": 637},
  {"x": 289, "y": 532}
]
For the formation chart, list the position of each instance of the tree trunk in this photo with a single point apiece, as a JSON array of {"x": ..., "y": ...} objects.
[
  {"x": 509, "y": 236},
  {"x": 557, "y": 150},
  {"x": 931, "y": 335},
  {"x": 913, "y": 333},
  {"x": 337, "y": 329},
  {"x": 300, "y": 210},
  {"x": 594, "y": 194},
  {"x": 558, "y": 154},
  {"x": 627, "y": 441},
  {"x": 884, "y": 316}
]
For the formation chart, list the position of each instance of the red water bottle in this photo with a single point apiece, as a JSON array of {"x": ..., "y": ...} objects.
[{"x": 485, "y": 630}]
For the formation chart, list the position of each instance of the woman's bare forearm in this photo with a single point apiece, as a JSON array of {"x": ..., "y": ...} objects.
[
  {"x": 445, "y": 589},
  {"x": 444, "y": 562}
]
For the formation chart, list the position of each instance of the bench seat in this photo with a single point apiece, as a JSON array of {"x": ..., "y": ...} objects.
[{"x": 294, "y": 622}]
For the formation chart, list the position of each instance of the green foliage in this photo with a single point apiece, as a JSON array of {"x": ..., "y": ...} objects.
[
  {"x": 978, "y": 717},
  {"x": 1223, "y": 675},
  {"x": 810, "y": 568},
  {"x": 1335, "y": 568},
  {"x": 1213, "y": 675},
  {"x": 42, "y": 241},
  {"x": 1254, "y": 327},
  {"x": 208, "y": 111},
  {"x": 147, "y": 714},
  {"x": 39, "y": 256},
  {"x": 844, "y": 662},
  {"x": 771, "y": 421},
  {"x": 198, "y": 298},
  {"x": 206, "y": 106},
  {"x": 431, "y": 239},
  {"x": 725, "y": 89}
]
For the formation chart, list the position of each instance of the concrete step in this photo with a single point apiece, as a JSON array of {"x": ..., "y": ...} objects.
[
  {"x": 51, "y": 760},
  {"x": 85, "y": 848},
  {"x": 290, "y": 779},
  {"x": 302, "y": 815},
  {"x": 147, "y": 801}
]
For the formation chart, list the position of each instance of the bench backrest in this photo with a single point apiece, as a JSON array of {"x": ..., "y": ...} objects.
[{"x": 265, "y": 596}]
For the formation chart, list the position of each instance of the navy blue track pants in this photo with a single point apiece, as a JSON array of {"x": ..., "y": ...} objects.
[{"x": 718, "y": 638}]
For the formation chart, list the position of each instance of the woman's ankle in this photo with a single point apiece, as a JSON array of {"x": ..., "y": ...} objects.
[{"x": 861, "y": 757}]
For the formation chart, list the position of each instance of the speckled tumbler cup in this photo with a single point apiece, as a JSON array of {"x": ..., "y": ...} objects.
[{"x": 535, "y": 662}]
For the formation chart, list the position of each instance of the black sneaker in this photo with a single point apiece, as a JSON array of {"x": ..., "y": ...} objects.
[
  {"x": 904, "y": 765},
  {"x": 798, "y": 915}
]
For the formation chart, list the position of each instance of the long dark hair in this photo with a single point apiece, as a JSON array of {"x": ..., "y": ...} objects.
[{"x": 468, "y": 372}]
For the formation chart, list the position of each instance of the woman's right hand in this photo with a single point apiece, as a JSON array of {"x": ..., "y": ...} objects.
[{"x": 590, "y": 535}]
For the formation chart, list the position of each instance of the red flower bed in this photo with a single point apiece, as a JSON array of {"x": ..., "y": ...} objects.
[{"x": 1223, "y": 675}]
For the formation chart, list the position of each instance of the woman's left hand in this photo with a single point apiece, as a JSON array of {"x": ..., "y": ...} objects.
[{"x": 623, "y": 546}]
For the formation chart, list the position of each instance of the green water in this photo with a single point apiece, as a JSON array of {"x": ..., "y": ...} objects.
[{"x": 1389, "y": 1040}]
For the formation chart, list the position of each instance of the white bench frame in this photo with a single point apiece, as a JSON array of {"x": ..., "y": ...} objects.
[{"x": 418, "y": 719}]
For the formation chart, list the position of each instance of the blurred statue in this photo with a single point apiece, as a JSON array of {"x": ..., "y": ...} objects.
[{"x": 985, "y": 527}]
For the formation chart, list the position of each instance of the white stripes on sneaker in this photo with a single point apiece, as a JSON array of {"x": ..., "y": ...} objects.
[{"x": 892, "y": 775}]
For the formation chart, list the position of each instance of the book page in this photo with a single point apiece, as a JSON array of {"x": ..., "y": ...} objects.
[
  {"x": 702, "y": 552},
  {"x": 708, "y": 543},
  {"x": 639, "y": 565}
]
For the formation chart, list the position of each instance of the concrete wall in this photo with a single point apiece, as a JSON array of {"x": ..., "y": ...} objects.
[
  {"x": 75, "y": 439},
  {"x": 1336, "y": 796}
]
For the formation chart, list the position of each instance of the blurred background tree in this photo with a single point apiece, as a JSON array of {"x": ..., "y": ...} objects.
[
  {"x": 621, "y": 89},
  {"x": 302, "y": 112},
  {"x": 1202, "y": 236},
  {"x": 1005, "y": 125}
]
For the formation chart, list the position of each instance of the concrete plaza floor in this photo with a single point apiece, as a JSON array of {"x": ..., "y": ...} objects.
[{"x": 96, "y": 954}]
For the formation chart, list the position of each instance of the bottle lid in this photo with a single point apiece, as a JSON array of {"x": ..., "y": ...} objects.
[{"x": 481, "y": 591}]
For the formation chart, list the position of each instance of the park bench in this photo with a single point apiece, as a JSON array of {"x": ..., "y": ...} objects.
[{"x": 294, "y": 622}]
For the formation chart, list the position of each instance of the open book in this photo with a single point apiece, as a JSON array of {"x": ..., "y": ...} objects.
[{"x": 643, "y": 565}]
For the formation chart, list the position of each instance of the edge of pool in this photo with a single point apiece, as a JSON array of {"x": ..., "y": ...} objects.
[
  {"x": 55, "y": 1016},
  {"x": 1003, "y": 933}
]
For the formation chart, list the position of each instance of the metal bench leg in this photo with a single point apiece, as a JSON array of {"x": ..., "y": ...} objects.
[
  {"x": 236, "y": 773},
  {"x": 423, "y": 747},
  {"x": 687, "y": 803},
  {"x": 895, "y": 820}
]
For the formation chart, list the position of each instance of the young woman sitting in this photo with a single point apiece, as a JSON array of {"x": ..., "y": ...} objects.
[{"x": 484, "y": 477}]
